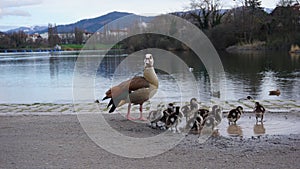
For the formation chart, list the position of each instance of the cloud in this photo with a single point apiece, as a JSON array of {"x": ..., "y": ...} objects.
[
  {"x": 5, "y": 12},
  {"x": 4, "y": 28},
  {"x": 11, "y": 7},
  {"x": 19, "y": 3}
]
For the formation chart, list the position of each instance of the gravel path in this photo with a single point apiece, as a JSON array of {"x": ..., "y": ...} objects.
[{"x": 58, "y": 141}]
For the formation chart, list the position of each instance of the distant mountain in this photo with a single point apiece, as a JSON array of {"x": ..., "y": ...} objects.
[
  {"x": 92, "y": 25},
  {"x": 29, "y": 30},
  {"x": 89, "y": 25}
]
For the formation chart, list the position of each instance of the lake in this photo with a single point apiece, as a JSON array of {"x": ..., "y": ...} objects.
[{"x": 43, "y": 78}]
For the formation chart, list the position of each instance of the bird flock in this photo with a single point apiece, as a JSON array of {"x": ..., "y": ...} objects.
[
  {"x": 197, "y": 119},
  {"x": 140, "y": 89}
]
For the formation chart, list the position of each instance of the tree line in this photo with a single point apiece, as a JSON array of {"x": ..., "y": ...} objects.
[
  {"x": 21, "y": 40},
  {"x": 248, "y": 23}
]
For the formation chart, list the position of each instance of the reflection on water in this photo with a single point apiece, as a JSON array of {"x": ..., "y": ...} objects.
[
  {"x": 234, "y": 130},
  {"x": 28, "y": 79},
  {"x": 274, "y": 124},
  {"x": 259, "y": 129},
  {"x": 256, "y": 74}
]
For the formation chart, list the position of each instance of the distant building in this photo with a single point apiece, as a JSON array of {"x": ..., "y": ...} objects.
[
  {"x": 117, "y": 32},
  {"x": 34, "y": 37},
  {"x": 44, "y": 35}
]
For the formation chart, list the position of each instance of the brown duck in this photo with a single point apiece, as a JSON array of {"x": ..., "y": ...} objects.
[{"x": 274, "y": 92}]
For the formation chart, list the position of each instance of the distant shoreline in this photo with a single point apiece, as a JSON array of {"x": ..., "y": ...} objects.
[{"x": 58, "y": 52}]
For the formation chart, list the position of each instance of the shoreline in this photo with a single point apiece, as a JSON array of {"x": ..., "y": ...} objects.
[
  {"x": 60, "y": 142},
  {"x": 11, "y": 109}
]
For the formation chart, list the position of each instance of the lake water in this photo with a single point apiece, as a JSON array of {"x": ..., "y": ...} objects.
[{"x": 42, "y": 78}]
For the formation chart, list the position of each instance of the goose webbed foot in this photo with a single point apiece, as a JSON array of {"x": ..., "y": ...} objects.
[
  {"x": 142, "y": 118},
  {"x": 130, "y": 118}
]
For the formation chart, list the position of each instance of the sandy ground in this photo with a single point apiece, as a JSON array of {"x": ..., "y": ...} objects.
[{"x": 58, "y": 141}]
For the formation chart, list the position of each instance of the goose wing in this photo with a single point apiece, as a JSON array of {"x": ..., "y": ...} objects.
[{"x": 120, "y": 92}]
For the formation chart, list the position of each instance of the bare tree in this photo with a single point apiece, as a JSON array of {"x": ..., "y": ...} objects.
[
  {"x": 18, "y": 39},
  {"x": 287, "y": 3},
  {"x": 206, "y": 14},
  {"x": 53, "y": 38},
  {"x": 78, "y": 36}
]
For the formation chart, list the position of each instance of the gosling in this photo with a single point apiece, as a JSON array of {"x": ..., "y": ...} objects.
[
  {"x": 259, "y": 111},
  {"x": 234, "y": 115}
]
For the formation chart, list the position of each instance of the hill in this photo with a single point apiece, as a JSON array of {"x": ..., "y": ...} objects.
[
  {"x": 89, "y": 25},
  {"x": 29, "y": 30},
  {"x": 93, "y": 24}
]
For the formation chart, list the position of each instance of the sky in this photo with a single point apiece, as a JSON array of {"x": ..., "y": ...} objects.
[{"x": 17, "y": 13}]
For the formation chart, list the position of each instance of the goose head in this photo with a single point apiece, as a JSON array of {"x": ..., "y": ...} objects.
[
  {"x": 194, "y": 104},
  {"x": 160, "y": 107},
  {"x": 240, "y": 109},
  {"x": 171, "y": 108},
  {"x": 149, "y": 61},
  {"x": 256, "y": 103}
]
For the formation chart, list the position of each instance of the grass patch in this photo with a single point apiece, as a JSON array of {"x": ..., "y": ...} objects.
[
  {"x": 71, "y": 47},
  {"x": 88, "y": 47},
  {"x": 64, "y": 109}
]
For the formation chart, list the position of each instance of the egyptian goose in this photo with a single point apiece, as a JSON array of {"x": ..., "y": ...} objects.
[
  {"x": 203, "y": 113},
  {"x": 259, "y": 111},
  {"x": 174, "y": 119},
  {"x": 213, "y": 118},
  {"x": 274, "y": 92},
  {"x": 190, "y": 109},
  {"x": 234, "y": 114},
  {"x": 216, "y": 113},
  {"x": 134, "y": 91},
  {"x": 166, "y": 113},
  {"x": 210, "y": 123},
  {"x": 195, "y": 123},
  {"x": 156, "y": 115}
]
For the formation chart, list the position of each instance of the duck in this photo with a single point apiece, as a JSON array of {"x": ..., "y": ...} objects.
[
  {"x": 174, "y": 119},
  {"x": 135, "y": 91},
  {"x": 216, "y": 113},
  {"x": 156, "y": 115},
  {"x": 247, "y": 98},
  {"x": 274, "y": 92},
  {"x": 165, "y": 115},
  {"x": 195, "y": 123},
  {"x": 259, "y": 111},
  {"x": 209, "y": 123},
  {"x": 203, "y": 113},
  {"x": 190, "y": 109},
  {"x": 234, "y": 115},
  {"x": 213, "y": 119}
]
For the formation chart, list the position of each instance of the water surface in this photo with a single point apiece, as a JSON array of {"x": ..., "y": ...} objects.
[{"x": 46, "y": 78}]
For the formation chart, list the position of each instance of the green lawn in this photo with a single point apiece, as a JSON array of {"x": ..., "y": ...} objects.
[
  {"x": 79, "y": 47},
  {"x": 71, "y": 47}
]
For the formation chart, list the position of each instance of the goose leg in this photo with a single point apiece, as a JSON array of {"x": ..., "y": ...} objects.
[
  {"x": 141, "y": 113},
  {"x": 128, "y": 113}
]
